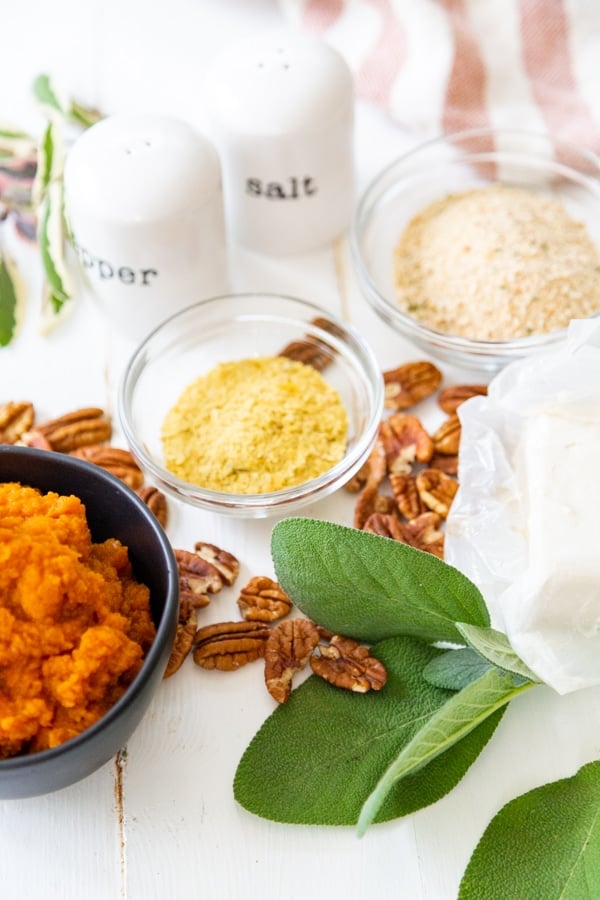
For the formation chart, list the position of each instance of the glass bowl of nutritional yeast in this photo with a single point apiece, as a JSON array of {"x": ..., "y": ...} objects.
[
  {"x": 481, "y": 246},
  {"x": 251, "y": 404}
]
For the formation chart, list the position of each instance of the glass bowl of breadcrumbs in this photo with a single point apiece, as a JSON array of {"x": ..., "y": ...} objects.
[
  {"x": 480, "y": 247},
  {"x": 251, "y": 404}
]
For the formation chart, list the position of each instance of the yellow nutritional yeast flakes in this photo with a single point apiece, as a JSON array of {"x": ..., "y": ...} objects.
[{"x": 252, "y": 426}]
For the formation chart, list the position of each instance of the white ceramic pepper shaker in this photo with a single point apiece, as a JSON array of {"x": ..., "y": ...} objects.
[
  {"x": 144, "y": 202},
  {"x": 281, "y": 108}
]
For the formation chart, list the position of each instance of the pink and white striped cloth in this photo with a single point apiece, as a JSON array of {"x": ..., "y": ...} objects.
[{"x": 445, "y": 65}]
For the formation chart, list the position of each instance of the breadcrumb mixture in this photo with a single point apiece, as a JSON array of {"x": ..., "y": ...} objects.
[
  {"x": 253, "y": 426},
  {"x": 497, "y": 262}
]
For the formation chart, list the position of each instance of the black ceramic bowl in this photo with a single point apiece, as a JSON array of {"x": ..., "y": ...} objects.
[{"x": 113, "y": 510}]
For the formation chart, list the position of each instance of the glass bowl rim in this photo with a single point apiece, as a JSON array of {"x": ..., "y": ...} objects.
[
  {"x": 268, "y": 502},
  {"x": 414, "y": 329}
]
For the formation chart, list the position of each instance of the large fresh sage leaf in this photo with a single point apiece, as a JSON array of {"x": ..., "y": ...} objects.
[
  {"x": 544, "y": 844},
  {"x": 9, "y": 299},
  {"x": 370, "y": 587},
  {"x": 317, "y": 758},
  {"x": 455, "y": 669},
  {"x": 494, "y": 646},
  {"x": 444, "y": 729}
]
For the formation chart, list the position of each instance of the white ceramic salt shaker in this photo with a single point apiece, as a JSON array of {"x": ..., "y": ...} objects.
[
  {"x": 281, "y": 110},
  {"x": 144, "y": 202}
]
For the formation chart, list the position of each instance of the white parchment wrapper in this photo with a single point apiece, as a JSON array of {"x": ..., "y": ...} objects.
[{"x": 547, "y": 604}]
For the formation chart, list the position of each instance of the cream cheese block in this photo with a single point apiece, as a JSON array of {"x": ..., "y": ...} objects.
[{"x": 556, "y": 602}]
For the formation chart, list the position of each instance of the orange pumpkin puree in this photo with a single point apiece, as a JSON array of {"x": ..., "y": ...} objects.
[{"x": 74, "y": 623}]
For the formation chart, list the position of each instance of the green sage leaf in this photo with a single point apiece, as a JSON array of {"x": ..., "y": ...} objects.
[
  {"x": 455, "y": 669},
  {"x": 370, "y": 587},
  {"x": 317, "y": 758},
  {"x": 545, "y": 843},
  {"x": 494, "y": 646},
  {"x": 51, "y": 307},
  {"x": 45, "y": 160},
  {"x": 50, "y": 161},
  {"x": 9, "y": 299},
  {"x": 16, "y": 143},
  {"x": 449, "y": 725},
  {"x": 13, "y": 134},
  {"x": 46, "y": 95},
  {"x": 52, "y": 246},
  {"x": 53, "y": 103},
  {"x": 83, "y": 115}
]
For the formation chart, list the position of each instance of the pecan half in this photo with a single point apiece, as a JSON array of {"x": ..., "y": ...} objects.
[
  {"x": 405, "y": 441},
  {"x": 371, "y": 501},
  {"x": 424, "y": 534},
  {"x": 229, "y": 645},
  {"x": 35, "y": 439},
  {"x": 410, "y": 383},
  {"x": 384, "y": 525},
  {"x": 118, "y": 462},
  {"x": 373, "y": 470},
  {"x": 156, "y": 502},
  {"x": 311, "y": 352},
  {"x": 451, "y": 397},
  {"x": 348, "y": 664},
  {"x": 197, "y": 578},
  {"x": 287, "y": 651},
  {"x": 446, "y": 439},
  {"x": 79, "y": 428},
  {"x": 447, "y": 464},
  {"x": 225, "y": 563},
  {"x": 263, "y": 600},
  {"x": 184, "y": 638},
  {"x": 328, "y": 326},
  {"x": 15, "y": 419},
  {"x": 406, "y": 495},
  {"x": 436, "y": 490}
]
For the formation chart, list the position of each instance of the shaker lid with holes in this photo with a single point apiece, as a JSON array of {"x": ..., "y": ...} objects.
[
  {"x": 143, "y": 166},
  {"x": 279, "y": 82}
]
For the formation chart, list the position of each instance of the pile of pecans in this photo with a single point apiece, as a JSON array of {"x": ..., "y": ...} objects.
[
  {"x": 84, "y": 433},
  {"x": 286, "y": 647},
  {"x": 405, "y": 490},
  {"x": 419, "y": 468}
]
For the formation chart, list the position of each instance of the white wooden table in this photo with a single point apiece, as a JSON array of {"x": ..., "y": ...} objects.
[{"x": 160, "y": 821}]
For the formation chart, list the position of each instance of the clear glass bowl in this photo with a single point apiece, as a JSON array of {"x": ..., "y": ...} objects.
[
  {"x": 240, "y": 326},
  {"x": 455, "y": 163}
]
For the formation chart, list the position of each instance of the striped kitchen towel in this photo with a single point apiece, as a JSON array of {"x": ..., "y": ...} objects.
[{"x": 445, "y": 65}]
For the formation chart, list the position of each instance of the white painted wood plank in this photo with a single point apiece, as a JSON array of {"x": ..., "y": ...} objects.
[
  {"x": 64, "y": 846},
  {"x": 183, "y": 833}
]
